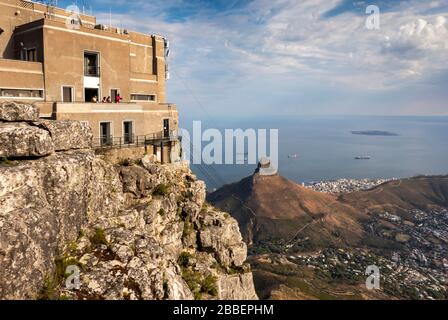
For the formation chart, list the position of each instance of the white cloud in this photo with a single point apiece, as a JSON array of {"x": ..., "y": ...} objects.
[{"x": 290, "y": 39}]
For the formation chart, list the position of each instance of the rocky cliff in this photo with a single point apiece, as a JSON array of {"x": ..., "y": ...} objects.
[{"x": 133, "y": 231}]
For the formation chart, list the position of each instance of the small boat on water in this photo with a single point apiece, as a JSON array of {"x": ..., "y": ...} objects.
[
  {"x": 363, "y": 158},
  {"x": 293, "y": 156}
]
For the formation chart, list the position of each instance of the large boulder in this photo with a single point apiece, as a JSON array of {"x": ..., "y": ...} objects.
[
  {"x": 22, "y": 140},
  {"x": 236, "y": 287},
  {"x": 68, "y": 135},
  {"x": 220, "y": 234},
  {"x": 15, "y": 111},
  {"x": 137, "y": 181}
]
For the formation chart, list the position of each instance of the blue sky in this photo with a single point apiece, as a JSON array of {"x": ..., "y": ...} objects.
[{"x": 296, "y": 57}]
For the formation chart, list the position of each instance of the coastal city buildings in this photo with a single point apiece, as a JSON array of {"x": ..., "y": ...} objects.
[
  {"x": 346, "y": 185},
  {"x": 73, "y": 68}
]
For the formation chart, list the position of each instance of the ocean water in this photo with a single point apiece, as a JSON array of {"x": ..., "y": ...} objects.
[{"x": 326, "y": 148}]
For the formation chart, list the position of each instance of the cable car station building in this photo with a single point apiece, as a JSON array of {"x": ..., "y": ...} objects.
[{"x": 66, "y": 63}]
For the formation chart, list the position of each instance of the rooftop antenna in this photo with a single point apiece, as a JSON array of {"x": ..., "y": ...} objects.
[{"x": 51, "y": 4}]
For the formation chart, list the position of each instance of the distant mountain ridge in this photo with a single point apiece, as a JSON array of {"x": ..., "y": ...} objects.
[
  {"x": 274, "y": 208},
  {"x": 277, "y": 199}
]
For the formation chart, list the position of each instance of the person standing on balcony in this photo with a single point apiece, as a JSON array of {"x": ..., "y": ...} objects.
[{"x": 118, "y": 98}]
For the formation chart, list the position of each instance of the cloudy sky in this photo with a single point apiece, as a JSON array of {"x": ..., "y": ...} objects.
[{"x": 296, "y": 57}]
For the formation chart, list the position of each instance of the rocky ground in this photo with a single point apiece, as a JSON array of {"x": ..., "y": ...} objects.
[{"x": 133, "y": 231}]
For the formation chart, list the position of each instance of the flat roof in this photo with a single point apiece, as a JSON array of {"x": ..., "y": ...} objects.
[
  {"x": 113, "y": 33},
  {"x": 40, "y": 4},
  {"x": 89, "y": 20}
]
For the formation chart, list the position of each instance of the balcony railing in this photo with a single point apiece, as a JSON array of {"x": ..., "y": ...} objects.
[
  {"x": 91, "y": 71},
  {"x": 128, "y": 139},
  {"x": 134, "y": 141}
]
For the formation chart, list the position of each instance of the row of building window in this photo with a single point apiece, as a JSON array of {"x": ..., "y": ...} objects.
[
  {"x": 89, "y": 94},
  {"x": 21, "y": 93},
  {"x": 143, "y": 97},
  {"x": 67, "y": 94}
]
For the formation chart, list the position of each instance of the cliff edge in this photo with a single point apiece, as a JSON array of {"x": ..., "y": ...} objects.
[{"x": 132, "y": 231}]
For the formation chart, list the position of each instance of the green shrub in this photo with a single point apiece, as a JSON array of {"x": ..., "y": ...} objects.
[
  {"x": 125, "y": 162},
  {"x": 184, "y": 259},
  {"x": 193, "y": 281},
  {"x": 208, "y": 285},
  {"x": 81, "y": 234},
  {"x": 180, "y": 199},
  {"x": 198, "y": 284},
  {"x": 49, "y": 290},
  {"x": 52, "y": 282},
  {"x": 99, "y": 237},
  {"x": 72, "y": 247},
  {"x": 161, "y": 190},
  {"x": 188, "y": 229}
]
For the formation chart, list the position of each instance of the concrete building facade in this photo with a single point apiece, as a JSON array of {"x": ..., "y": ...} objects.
[{"x": 63, "y": 61}]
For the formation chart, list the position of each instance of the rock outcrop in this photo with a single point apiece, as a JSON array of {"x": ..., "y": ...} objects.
[
  {"x": 23, "y": 140},
  {"x": 68, "y": 135},
  {"x": 17, "y": 111},
  {"x": 22, "y": 135},
  {"x": 141, "y": 231}
]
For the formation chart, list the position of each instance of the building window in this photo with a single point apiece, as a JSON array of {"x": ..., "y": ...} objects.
[
  {"x": 91, "y": 64},
  {"x": 21, "y": 93},
  {"x": 143, "y": 97},
  {"x": 128, "y": 132},
  {"x": 91, "y": 95},
  {"x": 67, "y": 94},
  {"x": 166, "y": 128},
  {"x": 106, "y": 133}
]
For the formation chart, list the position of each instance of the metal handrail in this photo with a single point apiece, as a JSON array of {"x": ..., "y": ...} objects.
[{"x": 134, "y": 140}]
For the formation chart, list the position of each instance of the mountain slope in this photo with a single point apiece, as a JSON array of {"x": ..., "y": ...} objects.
[
  {"x": 272, "y": 208},
  {"x": 310, "y": 245},
  {"x": 419, "y": 192}
]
